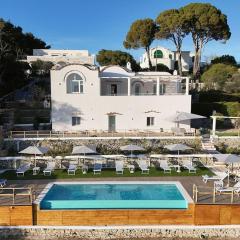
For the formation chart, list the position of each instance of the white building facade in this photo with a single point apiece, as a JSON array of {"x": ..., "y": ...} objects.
[
  {"x": 66, "y": 56},
  {"x": 167, "y": 57},
  {"x": 114, "y": 99}
]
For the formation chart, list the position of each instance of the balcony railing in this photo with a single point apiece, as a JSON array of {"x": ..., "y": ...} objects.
[
  {"x": 142, "y": 94},
  {"x": 94, "y": 133}
]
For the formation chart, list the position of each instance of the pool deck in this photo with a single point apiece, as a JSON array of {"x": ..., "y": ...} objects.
[{"x": 187, "y": 182}]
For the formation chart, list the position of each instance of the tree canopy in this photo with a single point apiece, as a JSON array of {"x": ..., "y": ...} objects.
[
  {"x": 219, "y": 76},
  {"x": 205, "y": 23},
  {"x": 141, "y": 35},
  {"x": 171, "y": 27},
  {"x": 14, "y": 46},
  {"x": 225, "y": 59},
  {"x": 41, "y": 68},
  {"x": 110, "y": 57}
]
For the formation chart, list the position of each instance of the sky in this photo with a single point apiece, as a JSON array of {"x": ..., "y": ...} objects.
[{"x": 103, "y": 24}]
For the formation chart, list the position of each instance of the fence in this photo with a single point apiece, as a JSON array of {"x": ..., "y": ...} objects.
[
  {"x": 206, "y": 191},
  {"x": 14, "y": 193},
  {"x": 89, "y": 134}
]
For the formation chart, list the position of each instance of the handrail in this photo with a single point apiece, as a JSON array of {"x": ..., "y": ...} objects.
[
  {"x": 14, "y": 193},
  {"x": 198, "y": 190}
]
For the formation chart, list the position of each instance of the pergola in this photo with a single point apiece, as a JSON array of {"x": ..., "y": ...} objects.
[{"x": 156, "y": 78}]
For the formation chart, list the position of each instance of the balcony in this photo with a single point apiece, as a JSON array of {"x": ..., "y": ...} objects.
[{"x": 141, "y": 87}]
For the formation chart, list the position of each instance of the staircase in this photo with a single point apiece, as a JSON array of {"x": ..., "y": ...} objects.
[{"x": 207, "y": 145}]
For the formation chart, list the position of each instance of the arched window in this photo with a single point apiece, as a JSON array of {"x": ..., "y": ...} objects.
[
  {"x": 137, "y": 89},
  {"x": 170, "y": 56},
  {"x": 158, "y": 54},
  {"x": 74, "y": 83}
]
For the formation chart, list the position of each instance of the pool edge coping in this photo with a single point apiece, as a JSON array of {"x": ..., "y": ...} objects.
[{"x": 182, "y": 190}]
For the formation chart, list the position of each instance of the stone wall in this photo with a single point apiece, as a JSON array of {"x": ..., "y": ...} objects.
[
  {"x": 229, "y": 145},
  {"x": 156, "y": 232},
  {"x": 104, "y": 146}
]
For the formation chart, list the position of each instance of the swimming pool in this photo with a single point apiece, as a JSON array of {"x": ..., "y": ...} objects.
[{"x": 114, "y": 195}]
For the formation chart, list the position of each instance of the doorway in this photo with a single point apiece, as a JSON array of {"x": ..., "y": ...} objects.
[{"x": 112, "y": 123}]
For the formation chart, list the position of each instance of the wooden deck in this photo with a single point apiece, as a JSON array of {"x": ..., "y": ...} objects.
[{"x": 202, "y": 213}]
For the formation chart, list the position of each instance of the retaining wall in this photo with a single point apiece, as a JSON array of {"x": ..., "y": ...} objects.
[{"x": 118, "y": 232}]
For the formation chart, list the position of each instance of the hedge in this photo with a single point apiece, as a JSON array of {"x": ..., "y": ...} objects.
[{"x": 226, "y": 108}]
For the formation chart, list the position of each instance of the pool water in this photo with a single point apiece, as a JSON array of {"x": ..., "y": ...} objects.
[{"x": 114, "y": 196}]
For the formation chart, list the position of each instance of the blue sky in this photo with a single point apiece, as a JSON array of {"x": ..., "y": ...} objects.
[{"x": 98, "y": 24}]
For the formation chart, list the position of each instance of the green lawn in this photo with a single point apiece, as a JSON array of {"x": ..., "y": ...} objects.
[
  {"x": 226, "y": 134},
  {"x": 62, "y": 174}
]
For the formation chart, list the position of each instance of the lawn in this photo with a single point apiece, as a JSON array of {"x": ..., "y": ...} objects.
[{"x": 62, "y": 174}]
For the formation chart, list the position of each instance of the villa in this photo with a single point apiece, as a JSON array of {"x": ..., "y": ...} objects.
[
  {"x": 114, "y": 98},
  {"x": 66, "y": 56},
  {"x": 161, "y": 55}
]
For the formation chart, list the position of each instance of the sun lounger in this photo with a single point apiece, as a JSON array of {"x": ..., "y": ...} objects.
[
  {"x": 3, "y": 182},
  {"x": 221, "y": 189},
  {"x": 188, "y": 165},
  {"x": 22, "y": 169},
  {"x": 97, "y": 168},
  {"x": 165, "y": 166},
  {"x": 119, "y": 167},
  {"x": 72, "y": 169},
  {"x": 49, "y": 169},
  {"x": 207, "y": 178},
  {"x": 143, "y": 166}
]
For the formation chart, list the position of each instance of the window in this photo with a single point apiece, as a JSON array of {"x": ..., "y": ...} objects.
[
  {"x": 154, "y": 89},
  {"x": 113, "y": 89},
  {"x": 170, "y": 56},
  {"x": 150, "y": 121},
  {"x": 158, "y": 54},
  {"x": 74, "y": 83},
  {"x": 76, "y": 121},
  {"x": 162, "y": 88}
]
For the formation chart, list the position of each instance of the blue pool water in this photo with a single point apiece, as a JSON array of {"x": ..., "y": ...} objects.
[{"x": 113, "y": 196}]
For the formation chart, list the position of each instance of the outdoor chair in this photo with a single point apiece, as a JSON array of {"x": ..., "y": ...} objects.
[
  {"x": 97, "y": 168},
  {"x": 22, "y": 169},
  {"x": 188, "y": 165},
  {"x": 143, "y": 166},
  {"x": 178, "y": 131},
  {"x": 219, "y": 188},
  {"x": 49, "y": 169},
  {"x": 207, "y": 178},
  {"x": 3, "y": 182},
  {"x": 72, "y": 169},
  {"x": 165, "y": 166},
  {"x": 119, "y": 167}
]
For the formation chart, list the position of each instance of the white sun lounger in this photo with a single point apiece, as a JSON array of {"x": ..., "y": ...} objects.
[
  {"x": 49, "y": 169},
  {"x": 165, "y": 166},
  {"x": 221, "y": 189},
  {"x": 207, "y": 178},
  {"x": 143, "y": 166},
  {"x": 72, "y": 169},
  {"x": 119, "y": 167},
  {"x": 97, "y": 168},
  {"x": 188, "y": 165},
  {"x": 22, "y": 169},
  {"x": 3, "y": 182}
]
